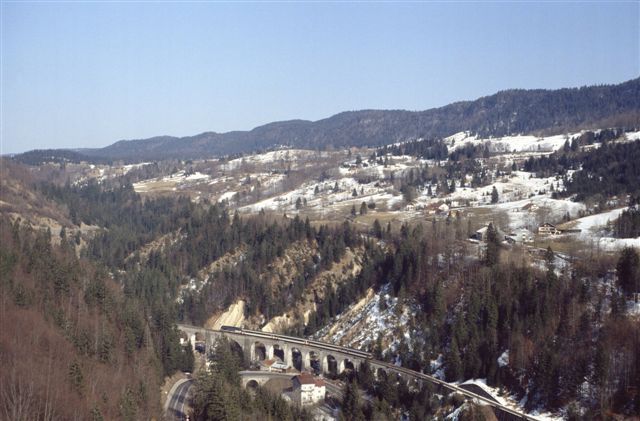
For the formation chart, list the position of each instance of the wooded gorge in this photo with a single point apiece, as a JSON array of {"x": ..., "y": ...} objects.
[{"x": 98, "y": 313}]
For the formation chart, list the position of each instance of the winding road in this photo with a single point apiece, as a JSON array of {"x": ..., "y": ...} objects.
[{"x": 176, "y": 407}]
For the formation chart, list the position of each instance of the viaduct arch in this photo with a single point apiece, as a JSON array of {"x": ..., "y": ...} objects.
[{"x": 259, "y": 346}]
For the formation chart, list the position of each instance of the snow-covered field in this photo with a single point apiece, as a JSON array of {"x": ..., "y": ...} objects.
[
  {"x": 227, "y": 196},
  {"x": 613, "y": 244},
  {"x": 631, "y": 136},
  {"x": 596, "y": 229},
  {"x": 283, "y": 156},
  {"x": 592, "y": 224},
  {"x": 507, "y": 144},
  {"x": 530, "y": 213},
  {"x": 524, "y": 201},
  {"x": 521, "y": 143},
  {"x": 172, "y": 181},
  {"x": 327, "y": 195}
]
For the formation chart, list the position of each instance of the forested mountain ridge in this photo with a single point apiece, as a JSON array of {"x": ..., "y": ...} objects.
[{"x": 506, "y": 112}]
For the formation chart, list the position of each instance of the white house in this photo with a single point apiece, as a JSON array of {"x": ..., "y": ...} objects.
[
  {"x": 548, "y": 229},
  {"x": 307, "y": 389}
]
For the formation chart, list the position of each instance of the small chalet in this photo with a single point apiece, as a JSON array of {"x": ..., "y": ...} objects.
[
  {"x": 308, "y": 389},
  {"x": 548, "y": 229},
  {"x": 481, "y": 234}
]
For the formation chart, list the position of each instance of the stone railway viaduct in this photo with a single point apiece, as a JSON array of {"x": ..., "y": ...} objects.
[
  {"x": 257, "y": 345},
  {"x": 262, "y": 345}
]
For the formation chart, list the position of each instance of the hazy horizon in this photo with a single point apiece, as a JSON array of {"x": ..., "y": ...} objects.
[{"x": 90, "y": 74}]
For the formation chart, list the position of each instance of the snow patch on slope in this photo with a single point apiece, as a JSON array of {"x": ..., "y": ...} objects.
[
  {"x": 595, "y": 228},
  {"x": 359, "y": 325},
  {"x": 510, "y": 401},
  {"x": 517, "y": 143}
]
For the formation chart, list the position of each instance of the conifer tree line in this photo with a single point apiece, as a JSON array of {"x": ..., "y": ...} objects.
[
  {"x": 628, "y": 223},
  {"x": 70, "y": 339},
  {"x": 266, "y": 241},
  {"x": 208, "y": 233},
  {"x": 611, "y": 170},
  {"x": 422, "y": 148},
  {"x": 439, "y": 179}
]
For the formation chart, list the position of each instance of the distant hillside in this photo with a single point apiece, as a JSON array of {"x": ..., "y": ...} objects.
[
  {"x": 58, "y": 156},
  {"x": 507, "y": 112}
]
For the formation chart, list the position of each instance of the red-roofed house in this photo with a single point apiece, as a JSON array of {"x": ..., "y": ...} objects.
[{"x": 308, "y": 389}]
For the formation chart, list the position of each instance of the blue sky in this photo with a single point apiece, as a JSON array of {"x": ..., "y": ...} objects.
[{"x": 88, "y": 74}]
